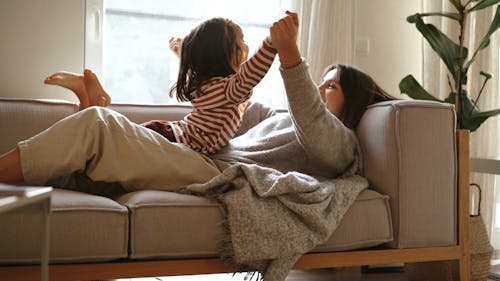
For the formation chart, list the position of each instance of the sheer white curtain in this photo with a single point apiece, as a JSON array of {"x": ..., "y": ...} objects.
[
  {"x": 485, "y": 141},
  {"x": 327, "y": 32}
]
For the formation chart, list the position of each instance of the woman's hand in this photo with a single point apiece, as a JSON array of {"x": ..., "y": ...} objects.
[
  {"x": 284, "y": 39},
  {"x": 175, "y": 45}
]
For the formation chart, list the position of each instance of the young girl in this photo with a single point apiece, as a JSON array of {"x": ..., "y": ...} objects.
[{"x": 216, "y": 77}]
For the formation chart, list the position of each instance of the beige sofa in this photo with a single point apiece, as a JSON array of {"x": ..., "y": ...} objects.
[{"x": 410, "y": 213}]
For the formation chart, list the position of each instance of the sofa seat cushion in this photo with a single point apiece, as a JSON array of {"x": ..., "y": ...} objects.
[
  {"x": 366, "y": 224},
  {"x": 171, "y": 225},
  {"x": 83, "y": 228}
]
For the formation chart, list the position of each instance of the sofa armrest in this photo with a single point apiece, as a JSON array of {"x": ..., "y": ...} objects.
[{"x": 409, "y": 154}]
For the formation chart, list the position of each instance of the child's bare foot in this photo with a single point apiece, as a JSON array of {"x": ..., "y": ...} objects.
[
  {"x": 97, "y": 94},
  {"x": 71, "y": 81}
]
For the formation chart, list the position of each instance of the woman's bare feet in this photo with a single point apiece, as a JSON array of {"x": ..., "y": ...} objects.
[
  {"x": 96, "y": 93},
  {"x": 72, "y": 81}
]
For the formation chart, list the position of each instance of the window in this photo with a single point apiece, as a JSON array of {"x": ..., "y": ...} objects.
[{"x": 132, "y": 54}]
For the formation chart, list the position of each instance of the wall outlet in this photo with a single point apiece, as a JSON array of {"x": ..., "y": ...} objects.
[{"x": 362, "y": 46}]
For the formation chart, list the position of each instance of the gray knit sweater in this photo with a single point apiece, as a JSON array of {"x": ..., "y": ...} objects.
[
  {"x": 286, "y": 183},
  {"x": 308, "y": 139}
]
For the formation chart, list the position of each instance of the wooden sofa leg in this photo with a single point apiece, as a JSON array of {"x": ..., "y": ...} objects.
[
  {"x": 464, "y": 269},
  {"x": 463, "y": 154}
]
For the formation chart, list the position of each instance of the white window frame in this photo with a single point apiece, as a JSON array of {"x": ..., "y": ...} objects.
[{"x": 94, "y": 25}]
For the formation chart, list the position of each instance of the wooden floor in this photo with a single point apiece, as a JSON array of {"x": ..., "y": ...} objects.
[
  {"x": 342, "y": 274},
  {"x": 339, "y": 274}
]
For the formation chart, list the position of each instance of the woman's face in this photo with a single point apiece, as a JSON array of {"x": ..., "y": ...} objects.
[{"x": 331, "y": 93}]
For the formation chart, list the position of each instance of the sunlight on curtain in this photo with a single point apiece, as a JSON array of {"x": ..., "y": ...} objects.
[
  {"x": 432, "y": 65},
  {"x": 327, "y": 32},
  {"x": 485, "y": 141}
]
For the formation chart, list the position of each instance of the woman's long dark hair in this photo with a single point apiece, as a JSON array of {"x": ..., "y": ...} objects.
[
  {"x": 207, "y": 52},
  {"x": 360, "y": 91}
]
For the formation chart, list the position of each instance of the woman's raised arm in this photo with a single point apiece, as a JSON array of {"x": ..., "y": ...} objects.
[{"x": 322, "y": 135}]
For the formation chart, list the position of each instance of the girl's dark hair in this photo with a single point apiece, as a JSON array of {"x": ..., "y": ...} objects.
[
  {"x": 207, "y": 52},
  {"x": 360, "y": 91}
]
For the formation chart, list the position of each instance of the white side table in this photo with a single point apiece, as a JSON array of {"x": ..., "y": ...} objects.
[{"x": 14, "y": 197}]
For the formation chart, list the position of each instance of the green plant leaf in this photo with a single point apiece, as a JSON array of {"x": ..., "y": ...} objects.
[
  {"x": 413, "y": 89},
  {"x": 450, "y": 99},
  {"x": 447, "y": 50},
  {"x": 456, "y": 4},
  {"x": 473, "y": 121},
  {"x": 488, "y": 113},
  {"x": 495, "y": 24},
  {"x": 486, "y": 75},
  {"x": 483, "y": 4},
  {"x": 471, "y": 117},
  {"x": 468, "y": 105},
  {"x": 453, "y": 16}
]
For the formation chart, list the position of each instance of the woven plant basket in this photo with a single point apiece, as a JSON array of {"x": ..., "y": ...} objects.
[{"x": 480, "y": 247}]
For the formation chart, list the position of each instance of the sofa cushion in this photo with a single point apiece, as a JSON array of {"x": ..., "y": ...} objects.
[
  {"x": 172, "y": 225},
  {"x": 22, "y": 118},
  {"x": 366, "y": 224},
  {"x": 83, "y": 227}
]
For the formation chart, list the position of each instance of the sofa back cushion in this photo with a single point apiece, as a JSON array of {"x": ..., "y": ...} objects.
[{"x": 23, "y": 118}]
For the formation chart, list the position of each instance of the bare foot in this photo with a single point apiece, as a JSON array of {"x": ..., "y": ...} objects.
[
  {"x": 72, "y": 81},
  {"x": 97, "y": 94}
]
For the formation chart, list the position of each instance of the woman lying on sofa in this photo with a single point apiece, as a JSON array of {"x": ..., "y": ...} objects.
[{"x": 315, "y": 137}]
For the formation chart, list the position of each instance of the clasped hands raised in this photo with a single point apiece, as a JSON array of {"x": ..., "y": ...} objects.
[
  {"x": 284, "y": 31},
  {"x": 284, "y": 39}
]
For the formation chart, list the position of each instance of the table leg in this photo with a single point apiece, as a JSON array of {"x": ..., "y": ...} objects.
[{"x": 44, "y": 260}]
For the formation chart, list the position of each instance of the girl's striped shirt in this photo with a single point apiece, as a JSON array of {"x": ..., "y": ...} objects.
[{"x": 219, "y": 105}]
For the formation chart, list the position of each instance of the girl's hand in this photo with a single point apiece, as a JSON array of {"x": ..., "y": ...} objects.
[
  {"x": 284, "y": 37},
  {"x": 295, "y": 18},
  {"x": 175, "y": 45}
]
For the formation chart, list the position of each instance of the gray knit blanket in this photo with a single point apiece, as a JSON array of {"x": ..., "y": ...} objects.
[{"x": 272, "y": 218}]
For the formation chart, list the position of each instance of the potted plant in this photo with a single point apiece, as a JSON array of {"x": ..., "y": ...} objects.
[
  {"x": 456, "y": 58},
  {"x": 469, "y": 118}
]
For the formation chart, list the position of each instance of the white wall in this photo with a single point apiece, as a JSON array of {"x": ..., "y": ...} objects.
[
  {"x": 394, "y": 45},
  {"x": 39, "y": 37}
]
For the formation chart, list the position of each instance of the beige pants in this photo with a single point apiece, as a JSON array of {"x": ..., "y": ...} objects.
[{"x": 105, "y": 146}]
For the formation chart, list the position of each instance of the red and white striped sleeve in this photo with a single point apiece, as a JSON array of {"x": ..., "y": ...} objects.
[{"x": 240, "y": 85}]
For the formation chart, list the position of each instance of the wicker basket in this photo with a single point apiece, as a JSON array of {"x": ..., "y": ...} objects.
[{"x": 480, "y": 247}]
